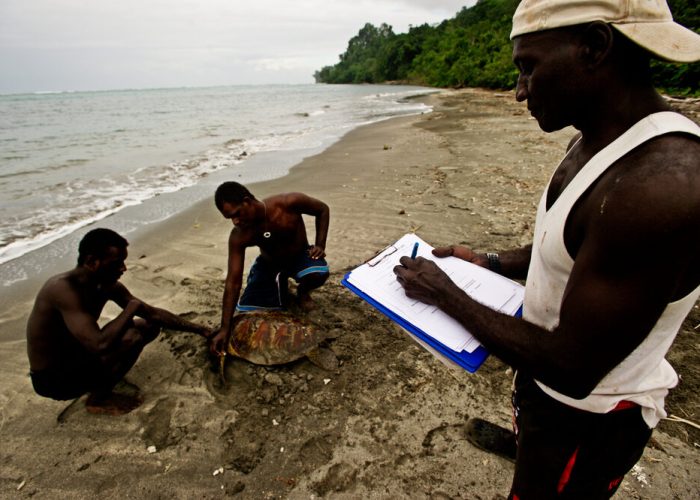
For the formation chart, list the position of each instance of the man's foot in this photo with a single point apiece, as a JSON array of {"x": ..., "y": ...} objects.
[
  {"x": 124, "y": 398},
  {"x": 112, "y": 404},
  {"x": 492, "y": 438}
]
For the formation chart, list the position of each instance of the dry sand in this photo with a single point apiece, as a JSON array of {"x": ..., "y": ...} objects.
[{"x": 389, "y": 422}]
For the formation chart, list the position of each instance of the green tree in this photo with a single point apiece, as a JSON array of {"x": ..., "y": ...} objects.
[{"x": 472, "y": 50}]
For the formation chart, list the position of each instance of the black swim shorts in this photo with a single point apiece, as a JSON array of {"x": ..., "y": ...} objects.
[
  {"x": 567, "y": 453},
  {"x": 67, "y": 383}
]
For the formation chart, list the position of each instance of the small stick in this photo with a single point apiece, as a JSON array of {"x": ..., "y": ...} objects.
[
  {"x": 222, "y": 367},
  {"x": 674, "y": 418}
]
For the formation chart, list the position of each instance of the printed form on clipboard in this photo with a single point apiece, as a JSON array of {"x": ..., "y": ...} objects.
[{"x": 375, "y": 282}]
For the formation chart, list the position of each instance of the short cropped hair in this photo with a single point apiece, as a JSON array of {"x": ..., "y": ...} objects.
[
  {"x": 98, "y": 242},
  {"x": 231, "y": 192}
]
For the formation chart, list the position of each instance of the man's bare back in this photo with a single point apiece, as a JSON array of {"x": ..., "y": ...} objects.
[{"x": 50, "y": 344}]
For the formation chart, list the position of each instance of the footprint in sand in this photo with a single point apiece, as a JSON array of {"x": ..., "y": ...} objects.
[
  {"x": 161, "y": 282},
  {"x": 211, "y": 272},
  {"x": 160, "y": 269},
  {"x": 156, "y": 424},
  {"x": 338, "y": 478},
  {"x": 443, "y": 438},
  {"x": 189, "y": 315},
  {"x": 137, "y": 268}
]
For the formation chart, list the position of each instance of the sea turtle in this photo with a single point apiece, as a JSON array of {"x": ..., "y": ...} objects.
[{"x": 275, "y": 338}]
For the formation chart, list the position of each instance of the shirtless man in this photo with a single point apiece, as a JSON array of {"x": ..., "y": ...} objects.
[
  {"x": 276, "y": 226},
  {"x": 69, "y": 354},
  {"x": 614, "y": 267}
]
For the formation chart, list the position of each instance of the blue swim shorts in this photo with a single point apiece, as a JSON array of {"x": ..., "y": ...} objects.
[{"x": 266, "y": 287}]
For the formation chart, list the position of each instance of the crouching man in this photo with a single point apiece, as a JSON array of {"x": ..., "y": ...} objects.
[{"x": 69, "y": 354}]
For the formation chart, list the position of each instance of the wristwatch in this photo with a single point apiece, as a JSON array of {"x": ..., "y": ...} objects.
[{"x": 494, "y": 262}]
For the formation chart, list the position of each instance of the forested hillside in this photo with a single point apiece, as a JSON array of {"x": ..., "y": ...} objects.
[{"x": 471, "y": 50}]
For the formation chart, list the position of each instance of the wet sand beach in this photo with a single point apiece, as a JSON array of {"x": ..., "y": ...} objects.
[{"x": 389, "y": 422}]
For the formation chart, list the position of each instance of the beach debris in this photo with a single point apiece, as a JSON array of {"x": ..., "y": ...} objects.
[
  {"x": 639, "y": 474},
  {"x": 326, "y": 381},
  {"x": 386, "y": 147},
  {"x": 275, "y": 422},
  {"x": 276, "y": 338},
  {"x": 152, "y": 449},
  {"x": 218, "y": 471},
  {"x": 21, "y": 485},
  {"x": 674, "y": 418},
  {"x": 274, "y": 379}
]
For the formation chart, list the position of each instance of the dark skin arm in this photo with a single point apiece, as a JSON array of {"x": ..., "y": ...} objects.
[
  {"x": 514, "y": 263},
  {"x": 83, "y": 325},
  {"x": 232, "y": 289},
  {"x": 161, "y": 317},
  {"x": 284, "y": 213},
  {"x": 618, "y": 286},
  {"x": 304, "y": 204}
]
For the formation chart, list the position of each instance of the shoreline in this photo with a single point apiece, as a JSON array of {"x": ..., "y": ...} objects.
[
  {"x": 390, "y": 422},
  {"x": 19, "y": 296}
]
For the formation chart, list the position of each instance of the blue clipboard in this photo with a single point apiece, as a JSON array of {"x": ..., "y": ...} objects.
[{"x": 470, "y": 361}]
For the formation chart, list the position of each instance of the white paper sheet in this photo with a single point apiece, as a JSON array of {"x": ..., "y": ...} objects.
[{"x": 376, "y": 278}]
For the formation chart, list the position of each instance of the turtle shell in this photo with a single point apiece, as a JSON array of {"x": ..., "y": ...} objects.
[{"x": 271, "y": 337}]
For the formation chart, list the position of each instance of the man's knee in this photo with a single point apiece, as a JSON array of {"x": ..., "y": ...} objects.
[
  {"x": 142, "y": 332},
  {"x": 130, "y": 346},
  {"x": 313, "y": 280}
]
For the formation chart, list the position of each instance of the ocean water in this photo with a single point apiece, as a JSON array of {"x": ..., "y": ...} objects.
[{"x": 71, "y": 159}]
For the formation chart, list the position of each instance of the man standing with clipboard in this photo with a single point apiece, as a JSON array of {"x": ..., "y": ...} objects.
[{"x": 615, "y": 263}]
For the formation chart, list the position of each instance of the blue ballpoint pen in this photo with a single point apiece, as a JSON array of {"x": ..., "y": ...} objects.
[{"x": 415, "y": 250}]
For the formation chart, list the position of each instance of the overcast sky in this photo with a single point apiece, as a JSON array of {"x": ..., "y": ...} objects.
[{"x": 48, "y": 45}]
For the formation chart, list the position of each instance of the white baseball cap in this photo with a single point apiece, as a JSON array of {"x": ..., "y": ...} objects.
[{"x": 648, "y": 23}]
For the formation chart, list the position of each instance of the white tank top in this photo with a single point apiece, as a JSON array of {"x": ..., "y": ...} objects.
[{"x": 644, "y": 377}]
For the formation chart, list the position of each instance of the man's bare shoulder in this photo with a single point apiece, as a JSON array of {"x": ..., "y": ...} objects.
[
  {"x": 669, "y": 154},
  {"x": 284, "y": 199},
  {"x": 241, "y": 238},
  {"x": 58, "y": 290},
  {"x": 300, "y": 203},
  {"x": 656, "y": 186},
  {"x": 59, "y": 283},
  {"x": 664, "y": 163}
]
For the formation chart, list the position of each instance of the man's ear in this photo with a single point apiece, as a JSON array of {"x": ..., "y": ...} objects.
[
  {"x": 91, "y": 262},
  {"x": 597, "y": 41}
]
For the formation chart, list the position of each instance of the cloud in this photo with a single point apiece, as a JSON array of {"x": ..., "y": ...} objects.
[{"x": 156, "y": 42}]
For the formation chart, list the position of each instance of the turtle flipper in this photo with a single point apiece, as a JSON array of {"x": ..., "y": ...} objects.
[{"x": 323, "y": 358}]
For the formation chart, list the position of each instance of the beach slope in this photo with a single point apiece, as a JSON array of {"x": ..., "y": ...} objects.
[{"x": 389, "y": 422}]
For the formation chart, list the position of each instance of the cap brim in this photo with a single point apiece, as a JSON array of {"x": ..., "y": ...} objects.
[{"x": 667, "y": 40}]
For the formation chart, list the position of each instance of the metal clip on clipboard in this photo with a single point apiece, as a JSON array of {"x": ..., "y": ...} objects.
[{"x": 378, "y": 258}]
